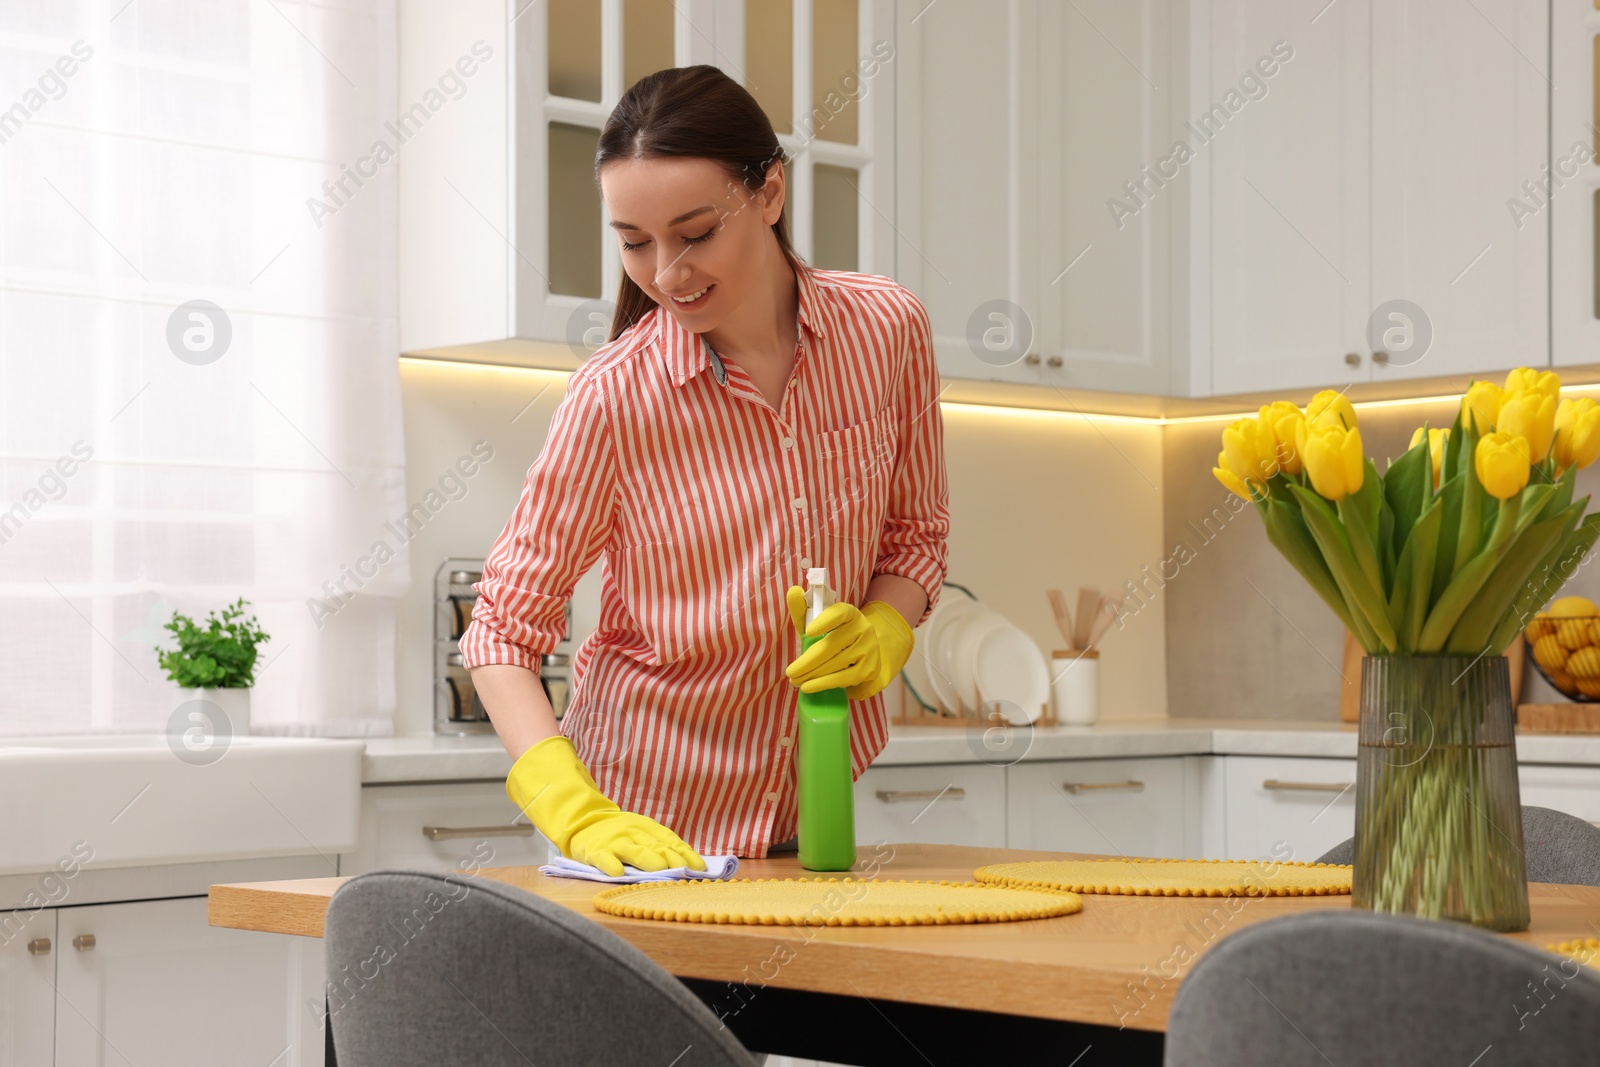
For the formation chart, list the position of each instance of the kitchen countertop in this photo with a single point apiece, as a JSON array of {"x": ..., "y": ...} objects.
[{"x": 430, "y": 758}]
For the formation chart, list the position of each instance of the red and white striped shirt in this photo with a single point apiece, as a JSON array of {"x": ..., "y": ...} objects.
[{"x": 706, "y": 505}]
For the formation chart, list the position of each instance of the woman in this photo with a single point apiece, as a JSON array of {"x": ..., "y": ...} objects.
[{"x": 749, "y": 418}]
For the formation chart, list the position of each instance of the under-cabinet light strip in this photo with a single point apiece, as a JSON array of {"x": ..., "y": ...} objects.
[{"x": 1013, "y": 411}]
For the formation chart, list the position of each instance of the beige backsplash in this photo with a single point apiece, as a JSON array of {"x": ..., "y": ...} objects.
[
  {"x": 1036, "y": 500},
  {"x": 1245, "y": 635}
]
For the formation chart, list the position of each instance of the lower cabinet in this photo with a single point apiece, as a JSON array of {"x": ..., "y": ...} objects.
[
  {"x": 934, "y": 803},
  {"x": 1574, "y": 790},
  {"x": 1308, "y": 805},
  {"x": 442, "y": 827},
  {"x": 1114, "y": 807},
  {"x": 27, "y": 987},
  {"x": 149, "y": 982}
]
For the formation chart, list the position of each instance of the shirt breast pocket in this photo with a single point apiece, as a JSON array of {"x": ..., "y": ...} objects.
[{"x": 853, "y": 471}]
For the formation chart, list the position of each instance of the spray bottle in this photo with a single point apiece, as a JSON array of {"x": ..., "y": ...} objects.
[{"x": 827, "y": 807}]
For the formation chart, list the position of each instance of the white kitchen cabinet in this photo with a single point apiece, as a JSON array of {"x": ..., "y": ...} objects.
[
  {"x": 1570, "y": 194},
  {"x": 505, "y": 255},
  {"x": 936, "y": 804},
  {"x": 1271, "y": 801},
  {"x": 1574, "y": 790},
  {"x": 1114, "y": 807},
  {"x": 1288, "y": 219},
  {"x": 1376, "y": 168},
  {"x": 1460, "y": 112},
  {"x": 442, "y": 826},
  {"x": 151, "y": 982},
  {"x": 1017, "y": 125},
  {"x": 28, "y": 950}
]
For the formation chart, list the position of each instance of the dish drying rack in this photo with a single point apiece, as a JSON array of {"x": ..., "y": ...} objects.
[{"x": 915, "y": 709}]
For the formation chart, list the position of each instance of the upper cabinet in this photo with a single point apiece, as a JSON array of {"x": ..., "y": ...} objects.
[
  {"x": 1172, "y": 198},
  {"x": 1361, "y": 225},
  {"x": 1028, "y": 223},
  {"x": 506, "y": 255}
]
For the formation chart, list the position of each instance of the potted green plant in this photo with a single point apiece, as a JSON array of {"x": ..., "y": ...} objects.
[{"x": 216, "y": 661}]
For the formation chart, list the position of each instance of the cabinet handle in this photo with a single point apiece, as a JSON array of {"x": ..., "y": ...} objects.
[
  {"x": 894, "y": 796},
  {"x": 1031, "y": 359},
  {"x": 39, "y": 946},
  {"x": 1380, "y": 357},
  {"x": 447, "y": 833},
  {"x": 1353, "y": 358},
  {"x": 1086, "y": 787},
  {"x": 83, "y": 942},
  {"x": 1054, "y": 361},
  {"x": 1308, "y": 787}
]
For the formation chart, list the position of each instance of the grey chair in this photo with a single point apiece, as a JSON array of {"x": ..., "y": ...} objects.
[
  {"x": 1355, "y": 987},
  {"x": 1559, "y": 847},
  {"x": 432, "y": 968}
]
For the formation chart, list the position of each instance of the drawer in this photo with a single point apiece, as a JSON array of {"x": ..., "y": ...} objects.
[
  {"x": 1126, "y": 807},
  {"x": 1308, "y": 805},
  {"x": 935, "y": 804},
  {"x": 1574, "y": 790},
  {"x": 472, "y": 823}
]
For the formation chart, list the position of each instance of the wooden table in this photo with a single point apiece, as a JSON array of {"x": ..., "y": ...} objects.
[{"x": 1105, "y": 976}]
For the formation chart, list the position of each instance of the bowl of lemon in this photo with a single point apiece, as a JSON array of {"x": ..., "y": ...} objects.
[{"x": 1564, "y": 640}]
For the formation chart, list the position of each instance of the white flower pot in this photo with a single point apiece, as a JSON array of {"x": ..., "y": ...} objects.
[{"x": 230, "y": 704}]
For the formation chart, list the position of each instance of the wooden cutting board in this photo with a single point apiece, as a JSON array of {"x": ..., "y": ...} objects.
[
  {"x": 1350, "y": 685},
  {"x": 1558, "y": 718}
]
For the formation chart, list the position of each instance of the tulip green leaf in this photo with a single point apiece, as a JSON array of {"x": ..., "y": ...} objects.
[
  {"x": 1363, "y": 598},
  {"x": 1288, "y": 534},
  {"x": 1517, "y": 562},
  {"x": 1421, "y": 547},
  {"x": 1450, "y": 494},
  {"x": 1407, "y": 487},
  {"x": 1558, "y": 565}
]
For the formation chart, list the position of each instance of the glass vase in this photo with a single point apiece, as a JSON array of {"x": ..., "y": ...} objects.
[{"x": 1438, "y": 810}]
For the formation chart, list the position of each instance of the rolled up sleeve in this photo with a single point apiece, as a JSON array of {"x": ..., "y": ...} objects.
[
  {"x": 561, "y": 523},
  {"x": 917, "y": 525}
]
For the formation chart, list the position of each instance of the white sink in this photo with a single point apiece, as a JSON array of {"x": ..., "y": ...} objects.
[{"x": 149, "y": 799}]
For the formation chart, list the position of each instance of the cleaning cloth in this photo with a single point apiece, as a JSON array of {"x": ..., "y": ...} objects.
[{"x": 717, "y": 868}]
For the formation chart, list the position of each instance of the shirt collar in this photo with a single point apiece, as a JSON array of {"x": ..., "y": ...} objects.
[{"x": 686, "y": 352}]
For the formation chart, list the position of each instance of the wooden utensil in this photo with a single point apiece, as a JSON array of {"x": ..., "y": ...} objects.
[
  {"x": 1063, "y": 616},
  {"x": 1106, "y": 614},
  {"x": 1088, "y": 601}
]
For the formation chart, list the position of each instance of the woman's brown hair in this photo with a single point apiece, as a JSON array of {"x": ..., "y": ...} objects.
[{"x": 690, "y": 111}]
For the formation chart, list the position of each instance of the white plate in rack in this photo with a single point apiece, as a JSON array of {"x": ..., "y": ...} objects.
[
  {"x": 941, "y": 675},
  {"x": 1008, "y": 667}
]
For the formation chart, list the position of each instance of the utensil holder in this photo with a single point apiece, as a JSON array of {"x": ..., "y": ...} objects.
[{"x": 1075, "y": 685}]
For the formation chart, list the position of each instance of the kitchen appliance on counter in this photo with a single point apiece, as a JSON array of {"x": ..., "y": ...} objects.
[{"x": 456, "y": 707}]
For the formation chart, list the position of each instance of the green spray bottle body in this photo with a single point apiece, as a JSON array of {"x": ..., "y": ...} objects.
[{"x": 827, "y": 828}]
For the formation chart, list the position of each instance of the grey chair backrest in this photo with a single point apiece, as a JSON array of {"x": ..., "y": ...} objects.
[
  {"x": 1355, "y": 987},
  {"x": 432, "y": 968},
  {"x": 1560, "y": 848}
]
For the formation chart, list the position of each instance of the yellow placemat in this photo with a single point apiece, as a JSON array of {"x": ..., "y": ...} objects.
[
  {"x": 1174, "y": 878},
  {"x": 833, "y": 902},
  {"x": 1586, "y": 952}
]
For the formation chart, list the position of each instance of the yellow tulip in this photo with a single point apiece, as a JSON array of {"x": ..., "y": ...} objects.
[
  {"x": 1333, "y": 458},
  {"x": 1481, "y": 406},
  {"x": 1577, "y": 432},
  {"x": 1528, "y": 380},
  {"x": 1249, "y": 450},
  {"x": 1502, "y": 464},
  {"x": 1436, "y": 440},
  {"x": 1284, "y": 420},
  {"x": 1331, "y": 408},
  {"x": 1530, "y": 415},
  {"x": 1231, "y": 481}
]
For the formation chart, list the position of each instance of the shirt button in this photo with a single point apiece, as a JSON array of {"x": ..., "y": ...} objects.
[
  {"x": 785, "y": 742},
  {"x": 787, "y": 442},
  {"x": 772, "y": 798},
  {"x": 805, "y": 563},
  {"x": 799, "y": 503}
]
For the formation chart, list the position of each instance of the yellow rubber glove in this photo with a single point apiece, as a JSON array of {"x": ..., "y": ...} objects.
[
  {"x": 558, "y": 794},
  {"x": 864, "y": 648}
]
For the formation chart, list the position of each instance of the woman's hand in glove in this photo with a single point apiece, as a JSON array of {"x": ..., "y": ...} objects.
[
  {"x": 861, "y": 649},
  {"x": 553, "y": 787}
]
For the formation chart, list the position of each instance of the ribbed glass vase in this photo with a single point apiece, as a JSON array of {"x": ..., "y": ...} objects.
[{"x": 1438, "y": 810}]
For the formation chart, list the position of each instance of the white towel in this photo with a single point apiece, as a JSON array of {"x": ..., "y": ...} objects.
[{"x": 717, "y": 867}]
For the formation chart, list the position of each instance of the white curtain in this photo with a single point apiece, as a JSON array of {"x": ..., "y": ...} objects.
[{"x": 154, "y": 153}]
